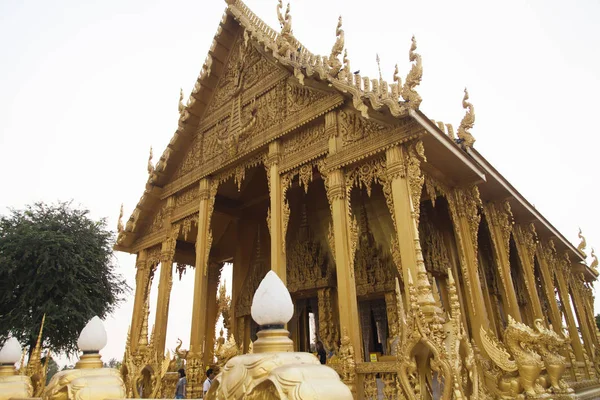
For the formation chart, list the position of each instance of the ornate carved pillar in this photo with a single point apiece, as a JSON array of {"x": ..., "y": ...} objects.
[
  {"x": 525, "y": 241},
  {"x": 405, "y": 180},
  {"x": 279, "y": 211},
  {"x": 142, "y": 277},
  {"x": 464, "y": 210},
  {"x": 195, "y": 372},
  {"x": 403, "y": 211},
  {"x": 165, "y": 282},
  {"x": 328, "y": 330},
  {"x": 545, "y": 257},
  {"x": 500, "y": 220},
  {"x": 562, "y": 268},
  {"x": 344, "y": 233},
  {"x": 577, "y": 289}
]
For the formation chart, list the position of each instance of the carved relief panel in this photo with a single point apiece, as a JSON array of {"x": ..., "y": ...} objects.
[
  {"x": 308, "y": 265},
  {"x": 374, "y": 268},
  {"x": 258, "y": 268},
  {"x": 435, "y": 253},
  {"x": 353, "y": 127}
]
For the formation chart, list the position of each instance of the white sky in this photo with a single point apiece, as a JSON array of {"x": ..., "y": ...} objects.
[{"x": 87, "y": 87}]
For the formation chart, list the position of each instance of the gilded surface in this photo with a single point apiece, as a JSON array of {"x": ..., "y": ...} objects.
[
  {"x": 85, "y": 384},
  {"x": 320, "y": 113}
]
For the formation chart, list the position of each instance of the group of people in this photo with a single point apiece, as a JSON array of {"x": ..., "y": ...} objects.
[
  {"x": 210, "y": 375},
  {"x": 180, "y": 392}
]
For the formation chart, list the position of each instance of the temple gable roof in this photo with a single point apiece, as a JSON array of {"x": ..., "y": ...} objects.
[{"x": 253, "y": 71}]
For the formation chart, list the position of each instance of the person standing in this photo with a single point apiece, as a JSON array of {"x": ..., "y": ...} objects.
[
  {"x": 321, "y": 352},
  {"x": 180, "y": 388},
  {"x": 210, "y": 375}
]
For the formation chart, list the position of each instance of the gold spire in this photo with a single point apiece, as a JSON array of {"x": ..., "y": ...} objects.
[
  {"x": 467, "y": 140},
  {"x": 143, "y": 340},
  {"x": 120, "y": 221},
  {"x": 409, "y": 94},
  {"x": 150, "y": 166},
  {"x": 35, "y": 360},
  {"x": 582, "y": 244}
]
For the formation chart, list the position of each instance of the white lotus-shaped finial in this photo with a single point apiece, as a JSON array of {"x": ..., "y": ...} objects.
[
  {"x": 93, "y": 337},
  {"x": 272, "y": 304},
  {"x": 10, "y": 352}
]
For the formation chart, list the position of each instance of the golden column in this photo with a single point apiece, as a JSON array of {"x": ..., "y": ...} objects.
[
  {"x": 406, "y": 184},
  {"x": 562, "y": 268},
  {"x": 142, "y": 277},
  {"x": 464, "y": 211},
  {"x": 195, "y": 372},
  {"x": 279, "y": 212},
  {"x": 403, "y": 213},
  {"x": 165, "y": 283},
  {"x": 544, "y": 257},
  {"x": 500, "y": 221},
  {"x": 576, "y": 285},
  {"x": 525, "y": 241},
  {"x": 344, "y": 259}
]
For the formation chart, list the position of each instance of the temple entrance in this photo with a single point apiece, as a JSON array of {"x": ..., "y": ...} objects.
[
  {"x": 306, "y": 318},
  {"x": 374, "y": 327}
]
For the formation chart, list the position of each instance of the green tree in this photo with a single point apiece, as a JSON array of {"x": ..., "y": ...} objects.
[
  {"x": 598, "y": 320},
  {"x": 112, "y": 363},
  {"x": 55, "y": 260},
  {"x": 52, "y": 369}
]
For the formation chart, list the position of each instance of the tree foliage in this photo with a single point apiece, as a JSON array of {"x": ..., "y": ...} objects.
[
  {"x": 598, "y": 320},
  {"x": 112, "y": 363},
  {"x": 52, "y": 369},
  {"x": 55, "y": 260}
]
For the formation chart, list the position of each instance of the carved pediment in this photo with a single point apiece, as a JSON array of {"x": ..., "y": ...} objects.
[
  {"x": 353, "y": 127},
  {"x": 155, "y": 221}
]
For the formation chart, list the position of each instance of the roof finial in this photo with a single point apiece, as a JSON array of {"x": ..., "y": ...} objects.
[
  {"x": 379, "y": 67},
  {"x": 594, "y": 263},
  {"x": 285, "y": 38},
  {"x": 582, "y": 243},
  {"x": 397, "y": 78},
  {"x": 120, "y": 222},
  {"x": 464, "y": 136},
  {"x": 334, "y": 63},
  {"x": 150, "y": 166},
  {"x": 409, "y": 94},
  {"x": 181, "y": 106}
]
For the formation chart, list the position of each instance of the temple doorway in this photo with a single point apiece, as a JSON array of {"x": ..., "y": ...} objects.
[{"x": 374, "y": 325}]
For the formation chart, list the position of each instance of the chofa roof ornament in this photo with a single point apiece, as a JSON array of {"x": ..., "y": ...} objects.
[{"x": 464, "y": 136}]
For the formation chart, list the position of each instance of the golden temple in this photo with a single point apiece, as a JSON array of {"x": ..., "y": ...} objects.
[{"x": 420, "y": 269}]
